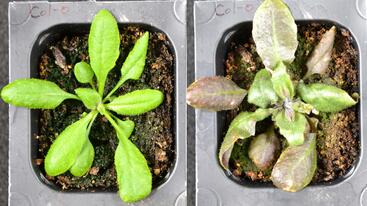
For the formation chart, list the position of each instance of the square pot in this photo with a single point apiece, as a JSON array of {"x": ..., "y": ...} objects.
[
  {"x": 216, "y": 24},
  {"x": 31, "y": 27}
]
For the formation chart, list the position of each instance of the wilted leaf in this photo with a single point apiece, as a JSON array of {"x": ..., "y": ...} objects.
[
  {"x": 275, "y": 33},
  {"x": 67, "y": 147},
  {"x": 242, "y": 126},
  {"x": 325, "y": 98},
  {"x": 103, "y": 46},
  {"x": 293, "y": 130},
  {"x": 83, "y": 72},
  {"x": 136, "y": 102},
  {"x": 34, "y": 94},
  {"x": 60, "y": 59},
  {"x": 321, "y": 55},
  {"x": 89, "y": 97},
  {"x": 264, "y": 149},
  {"x": 261, "y": 92},
  {"x": 282, "y": 82},
  {"x": 84, "y": 161},
  {"x": 215, "y": 94},
  {"x": 296, "y": 166}
]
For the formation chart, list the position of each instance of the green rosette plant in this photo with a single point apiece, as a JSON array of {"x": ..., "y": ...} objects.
[
  {"x": 289, "y": 104},
  {"x": 72, "y": 151}
]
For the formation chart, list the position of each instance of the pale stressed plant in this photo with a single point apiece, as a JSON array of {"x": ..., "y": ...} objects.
[
  {"x": 288, "y": 103},
  {"x": 72, "y": 151}
]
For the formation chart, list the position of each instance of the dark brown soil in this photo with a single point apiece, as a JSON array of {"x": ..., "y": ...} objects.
[
  {"x": 338, "y": 136},
  {"x": 153, "y": 132}
]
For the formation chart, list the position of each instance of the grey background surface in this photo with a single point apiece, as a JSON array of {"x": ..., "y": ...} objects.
[{"x": 4, "y": 108}]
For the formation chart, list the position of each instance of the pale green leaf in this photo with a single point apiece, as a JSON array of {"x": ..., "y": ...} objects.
[
  {"x": 261, "y": 92},
  {"x": 242, "y": 126},
  {"x": 34, "y": 94},
  {"x": 103, "y": 46},
  {"x": 292, "y": 129},
  {"x": 136, "y": 102},
  {"x": 282, "y": 83},
  {"x": 325, "y": 98},
  {"x": 89, "y": 97},
  {"x": 275, "y": 33}
]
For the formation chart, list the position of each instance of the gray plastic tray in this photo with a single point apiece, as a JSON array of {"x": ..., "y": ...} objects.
[
  {"x": 31, "y": 24},
  {"x": 216, "y": 22}
]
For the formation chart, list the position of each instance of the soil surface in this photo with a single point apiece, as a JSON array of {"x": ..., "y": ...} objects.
[
  {"x": 338, "y": 137},
  {"x": 153, "y": 134}
]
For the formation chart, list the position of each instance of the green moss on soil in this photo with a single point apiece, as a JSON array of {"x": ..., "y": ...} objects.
[{"x": 153, "y": 132}]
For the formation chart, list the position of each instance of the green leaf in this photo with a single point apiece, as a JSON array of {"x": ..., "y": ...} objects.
[
  {"x": 296, "y": 166},
  {"x": 83, "y": 72},
  {"x": 84, "y": 161},
  {"x": 103, "y": 46},
  {"x": 301, "y": 107},
  {"x": 214, "y": 94},
  {"x": 321, "y": 55},
  {"x": 264, "y": 149},
  {"x": 242, "y": 126},
  {"x": 282, "y": 82},
  {"x": 89, "y": 97},
  {"x": 34, "y": 94},
  {"x": 261, "y": 92},
  {"x": 135, "y": 61},
  {"x": 136, "y": 102},
  {"x": 293, "y": 130},
  {"x": 65, "y": 150},
  {"x": 126, "y": 127},
  {"x": 275, "y": 33},
  {"x": 133, "y": 175},
  {"x": 325, "y": 98}
]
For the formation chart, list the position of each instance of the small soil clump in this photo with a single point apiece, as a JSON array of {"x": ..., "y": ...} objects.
[
  {"x": 153, "y": 133},
  {"x": 338, "y": 136}
]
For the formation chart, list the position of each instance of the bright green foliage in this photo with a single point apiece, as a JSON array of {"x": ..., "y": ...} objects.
[
  {"x": 261, "y": 92},
  {"x": 135, "y": 61},
  {"x": 296, "y": 166},
  {"x": 103, "y": 46},
  {"x": 34, "y": 94},
  {"x": 136, "y": 102},
  {"x": 72, "y": 149},
  {"x": 84, "y": 161},
  {"x": 325, "y": 98},
  {"x": 243, "y": 126},
  {"x": 67, "y": 147},
  {"x": 83, "y": 72},
  {"x": 89, "y": 97},
  {"x": 133, "y": 174},
  {"x": 275, "y": 33}
]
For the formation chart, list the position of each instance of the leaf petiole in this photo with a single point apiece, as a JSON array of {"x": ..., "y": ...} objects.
[{"x": 118, "y": 85}]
